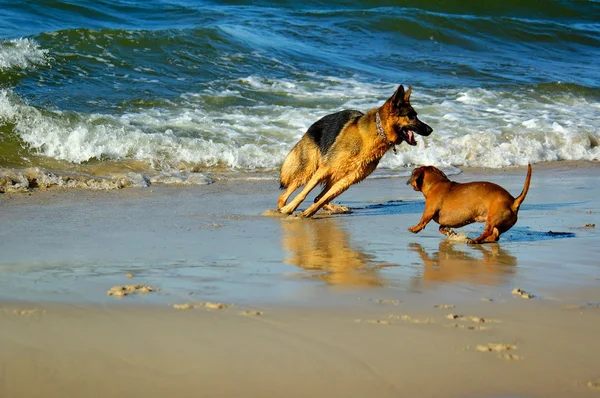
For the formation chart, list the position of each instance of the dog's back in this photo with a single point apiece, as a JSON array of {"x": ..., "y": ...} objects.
[
  {"x": 304, "y": 159},
  {"x": 325, "y": 130},
  {"x": 490, "y": 192}
]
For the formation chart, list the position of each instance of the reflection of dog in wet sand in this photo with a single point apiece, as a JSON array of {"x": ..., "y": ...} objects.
[
  {"x": 343, "y": 148},
  {"x": 449, "y": 264},
  {"x": 324, "y": 249},
  {"x": 453, "y": 205}
]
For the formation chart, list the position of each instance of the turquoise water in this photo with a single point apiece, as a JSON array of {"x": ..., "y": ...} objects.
[{"x": 186, "y": 91}]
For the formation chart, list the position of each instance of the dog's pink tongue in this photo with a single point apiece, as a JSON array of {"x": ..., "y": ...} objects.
[{"x": 411, "y": 136}]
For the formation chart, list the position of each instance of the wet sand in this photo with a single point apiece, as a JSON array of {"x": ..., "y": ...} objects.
[{"x": 226, "y": 302}]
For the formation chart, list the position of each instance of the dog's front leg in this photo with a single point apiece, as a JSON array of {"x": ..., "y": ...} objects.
[{"x": 427, "y": 216}]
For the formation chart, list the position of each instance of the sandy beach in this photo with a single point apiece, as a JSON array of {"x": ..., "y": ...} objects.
[{"x": 238, "y": 304}]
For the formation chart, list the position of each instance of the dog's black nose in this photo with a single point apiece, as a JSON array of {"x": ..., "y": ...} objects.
[{"x": 426, "y": 130}]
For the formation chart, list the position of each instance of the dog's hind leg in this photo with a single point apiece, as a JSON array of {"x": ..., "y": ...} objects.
[
  {"x": 293, "y": 205},
  {"x": 336, "y": 190},
  {"x": 289, "y": 190},
  {"x": 490, "y": 234},
  {"x": 498, "y": 222},
  {"x": 330, "y": 207}
]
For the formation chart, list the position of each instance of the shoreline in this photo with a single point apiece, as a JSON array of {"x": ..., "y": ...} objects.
[{"x": 31, "y": 180}]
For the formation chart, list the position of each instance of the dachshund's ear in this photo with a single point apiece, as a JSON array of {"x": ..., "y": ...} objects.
[{"x": 416, "y": 180}]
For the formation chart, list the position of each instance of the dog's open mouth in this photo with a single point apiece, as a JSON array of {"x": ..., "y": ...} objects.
[{"x": 409, "y": 136}]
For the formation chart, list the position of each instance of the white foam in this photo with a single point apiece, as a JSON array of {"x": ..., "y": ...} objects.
[
  {"x": 474, "y": 127},
  {"x": 494, "y": 129},
  {"x": 21, "y": 53},
  {"x": 12, "y": 180}
]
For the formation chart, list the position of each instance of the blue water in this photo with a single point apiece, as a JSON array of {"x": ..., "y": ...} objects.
[{"x": 183, "y": 91}]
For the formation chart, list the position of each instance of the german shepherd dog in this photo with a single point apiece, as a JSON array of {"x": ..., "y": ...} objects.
[{"x": 343, "y": 148}]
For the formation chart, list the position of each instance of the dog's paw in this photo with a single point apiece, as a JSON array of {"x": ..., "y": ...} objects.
[
  {"x": 414, "y": 229},
  {"x": 304, "y": 214},
  {"x": 336, "y": 209},
  {"x": 285, "y": 210},
  {"x": 449, "y": 232}
]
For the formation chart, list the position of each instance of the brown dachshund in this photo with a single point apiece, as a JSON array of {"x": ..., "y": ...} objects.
[{"x": 453, "y": 205}]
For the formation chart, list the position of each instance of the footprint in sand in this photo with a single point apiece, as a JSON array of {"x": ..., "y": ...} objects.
[
  {"x": 121, "y": 291},
  {"x": 585, "y": 226},
  {"x": 207, "y": 304},
  {"x": 28, "y": 312},
  {"x": 471, "y": 318},
  {"x": 496, "y": 347},
  {"x": 468, "y": 327},
  {"x": 251, "y": 313},
  {"x": 409, "y": 319},
  {"x": 510, "y": 357},
  {"x": 594, "y": 384},
  {"x": 212, "y": 306},
  {"x": 380, "y": 322},
  {"x": 185, "y": 306},
  {"x": 522, "y": 293},
  {"x": 501, "y": 349},
  {"x": 444, "y": 306},
  {"x": 374, "y": 321}
]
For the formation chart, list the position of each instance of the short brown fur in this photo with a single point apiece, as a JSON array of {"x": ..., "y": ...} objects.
[
  {"x": 453, "y": 205},
  {"x": 353, "y": 155}
]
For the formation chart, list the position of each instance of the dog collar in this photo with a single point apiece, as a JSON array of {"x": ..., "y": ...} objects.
[{"x": 382, "y": 133}]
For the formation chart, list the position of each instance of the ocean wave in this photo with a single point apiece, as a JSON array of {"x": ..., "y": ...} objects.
[
  {"x": 475, "y": 127},
  {"x": 23, "y": 180},
  {"x": 21, "y": 54}
]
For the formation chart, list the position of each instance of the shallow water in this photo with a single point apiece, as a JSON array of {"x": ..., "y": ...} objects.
[{"x": 200, "y": 243}]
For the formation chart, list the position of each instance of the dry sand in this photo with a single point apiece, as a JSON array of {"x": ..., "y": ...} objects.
[{"x": 243, "y": 305}]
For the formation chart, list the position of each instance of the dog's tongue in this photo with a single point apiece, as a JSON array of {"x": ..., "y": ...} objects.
[{"x": 410, "y": 137}]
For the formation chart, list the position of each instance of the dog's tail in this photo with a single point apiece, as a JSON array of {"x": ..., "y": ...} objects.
[{"x": 519, "y": 199}]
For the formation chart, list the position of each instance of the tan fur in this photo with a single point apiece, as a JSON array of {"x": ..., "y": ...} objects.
[
  {"x": 453, "y": 205},
  {"x": 354, "y": 155}
]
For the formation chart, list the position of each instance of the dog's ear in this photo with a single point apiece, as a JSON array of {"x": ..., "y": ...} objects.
[
  {"x": 398, "y": 97},
  {"x": 407, "y": 94},
  {"x": 416, "y": 178}
]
